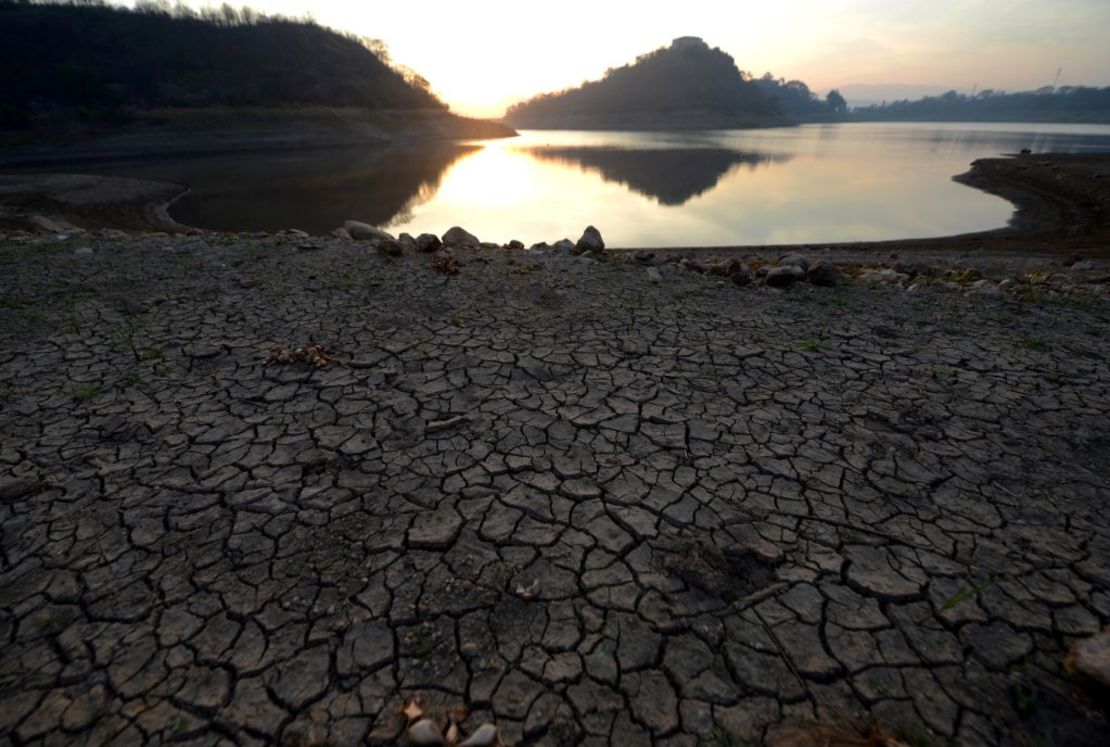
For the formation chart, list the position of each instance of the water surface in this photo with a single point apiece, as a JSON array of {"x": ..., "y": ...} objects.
[{"x": 814, "y": 183}]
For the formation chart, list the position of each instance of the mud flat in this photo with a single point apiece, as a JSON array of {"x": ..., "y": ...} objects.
[{"x": 600, "y": 500}]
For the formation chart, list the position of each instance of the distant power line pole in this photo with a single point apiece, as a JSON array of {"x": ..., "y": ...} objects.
[{"x": 1055, "y": 82}]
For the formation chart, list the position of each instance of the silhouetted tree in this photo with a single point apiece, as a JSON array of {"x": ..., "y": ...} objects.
[{"x": 836, "y": 102}]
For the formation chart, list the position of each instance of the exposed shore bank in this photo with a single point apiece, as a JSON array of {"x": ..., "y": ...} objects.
[{"x": 1062, "y": 204}]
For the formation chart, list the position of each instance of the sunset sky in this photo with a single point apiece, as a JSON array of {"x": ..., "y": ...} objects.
[{"x": 483, "y": 55}]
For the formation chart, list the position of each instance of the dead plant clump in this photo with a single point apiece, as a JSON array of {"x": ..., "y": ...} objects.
[{"x": 313, "y": 353}]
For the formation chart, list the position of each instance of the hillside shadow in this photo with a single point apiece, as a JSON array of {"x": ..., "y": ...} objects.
[{"x": 670, "y": 176}]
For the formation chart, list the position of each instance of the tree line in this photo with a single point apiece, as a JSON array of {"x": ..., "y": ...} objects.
[{"x": 97, "y": 60}]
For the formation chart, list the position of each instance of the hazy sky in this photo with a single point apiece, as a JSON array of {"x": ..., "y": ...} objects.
[{"x": 482, "y": 55}]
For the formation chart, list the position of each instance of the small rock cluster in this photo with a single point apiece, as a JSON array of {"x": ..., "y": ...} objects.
[{"x": 591, "y": 243}]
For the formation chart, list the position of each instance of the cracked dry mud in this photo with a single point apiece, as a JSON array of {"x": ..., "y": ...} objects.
[{"x": 593, "y": 509}]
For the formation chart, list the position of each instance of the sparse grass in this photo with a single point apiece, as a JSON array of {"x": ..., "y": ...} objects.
[
  {"x": 152, "y": 354},
  {"x": 1033, "y": 343},
  {"x": 86, "y": 393},
  {"x": 810, "y": 346},
  {"x": 1023, "y": 698},
  {"x": 455, "y": 320},
  {"x": 127, "y": 332},
  {"x": 963, "y": 594}
]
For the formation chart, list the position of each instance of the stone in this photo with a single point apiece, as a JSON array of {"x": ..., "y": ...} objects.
[
  {"x": 784, "y": 277},
  {"x": 1090, "y": 658},
  {"x": 83, "y": 251},
  {"x": 515, "y": 245},
  {"x": 794, "y": 260},
  {"x": 408, "y": 243},
  {"x": 885, "y": 276},
  {"x": 824, "y": 274},
  {"x": 653, "y": 275},
  {"x": 564, "y": 245},
  {"x": 390, "y": 248},
  {"x": 365, "y": 232},
  {"x": 460, "y": 238},
  {"x": 740, "y": 274},
  {"x": 428, "y": 243},
  {"x": 590, "y": 241}
]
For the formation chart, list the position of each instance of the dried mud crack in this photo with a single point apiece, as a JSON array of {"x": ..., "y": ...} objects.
[{"x": 590, "y": 508}]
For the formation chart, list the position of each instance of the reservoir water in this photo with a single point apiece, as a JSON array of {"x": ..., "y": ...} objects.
[{"x": 813, "y": 183}]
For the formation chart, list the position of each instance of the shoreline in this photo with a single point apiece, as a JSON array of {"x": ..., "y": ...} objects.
[{"x": 1061, "y": 206}]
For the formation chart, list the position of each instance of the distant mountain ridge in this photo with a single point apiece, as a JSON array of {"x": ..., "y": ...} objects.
[{"x": 688, "y": 85}]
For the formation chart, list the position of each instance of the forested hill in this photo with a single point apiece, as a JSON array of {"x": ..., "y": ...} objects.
[
  {"x": 1064, "y": 104},
  {"x": 96, "y": 59},
  {"x": 685, "y": 85}
]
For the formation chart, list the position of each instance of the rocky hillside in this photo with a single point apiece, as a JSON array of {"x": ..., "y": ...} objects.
[{"x": 687, "y": 85}]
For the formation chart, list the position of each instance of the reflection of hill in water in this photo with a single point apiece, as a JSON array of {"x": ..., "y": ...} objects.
[
  {"x": 318, "y": 191},
  {"x": 672, "y": 176},
  {"x": 314, "y": 190}
]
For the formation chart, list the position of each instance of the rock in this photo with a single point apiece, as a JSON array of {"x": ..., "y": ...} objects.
[
  {"x": 490, "y": 245},
  {"x": 407, "y": 242},
  {"x": 1090, "y": 658},
  {"x": 724, "y": 267},
  {"x": 794, "y": 259},
  {"x": 783, "y": 277},
  {"x": 563, "y": 245},
  {"x": 644, "y": 257},
  {"x": 44, "y": 224},
  {"x": 460, "y": 237},
  {"x": 515, "y": 245},
  {"x": 654, "y": 275},
  {"x": 691, "y": 265},
  {"x": 342, "y": 233},
  {"x": 986, "y": 288},
  {"x": 390, "y": 247},
  {"x": 1084, "y": 266},
  {"x": 824, "y": 274},
  {"x": 83, "y": 251},
  {"x": 885, "y": 276},
  {"x": 428, "y": 243},
  {"x": 365, "y": 232},
  {"x": 591, "y": 241},
  {"x": 543, "y": 246},
  {"x": 741, "y": 275}
]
